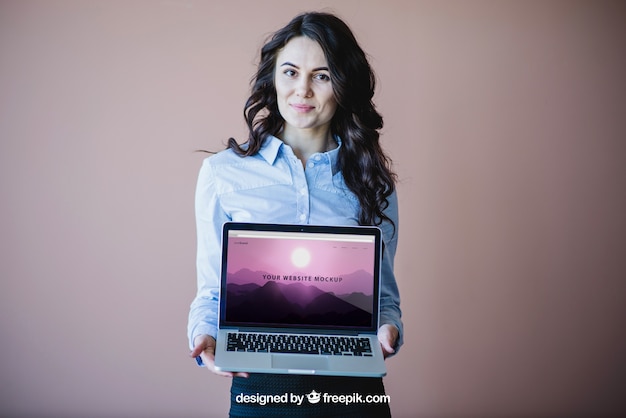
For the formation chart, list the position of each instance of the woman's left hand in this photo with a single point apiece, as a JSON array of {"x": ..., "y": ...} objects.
[{"x": 387, "y": 335}]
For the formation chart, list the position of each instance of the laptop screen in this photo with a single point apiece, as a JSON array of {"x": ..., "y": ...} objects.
[{"x": 300, "y": 276}]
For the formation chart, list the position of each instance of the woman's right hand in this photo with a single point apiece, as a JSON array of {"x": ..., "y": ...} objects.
[{"x": 204, "y": 346}]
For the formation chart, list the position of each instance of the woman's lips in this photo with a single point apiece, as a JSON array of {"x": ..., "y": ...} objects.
[{"x": 302, "y": 108}]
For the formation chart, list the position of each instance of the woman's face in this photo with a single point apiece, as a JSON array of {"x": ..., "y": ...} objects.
[{"x": 303, "y": 87}]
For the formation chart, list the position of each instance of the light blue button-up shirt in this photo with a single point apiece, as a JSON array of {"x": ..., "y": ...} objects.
[{"x": 272, "y": 186}]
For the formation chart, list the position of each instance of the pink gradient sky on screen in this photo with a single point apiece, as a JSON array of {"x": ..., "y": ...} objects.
[{"x": 330, "y": 259}]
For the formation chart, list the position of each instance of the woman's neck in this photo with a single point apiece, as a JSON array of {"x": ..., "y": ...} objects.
[{"x": 307, "y": 142}]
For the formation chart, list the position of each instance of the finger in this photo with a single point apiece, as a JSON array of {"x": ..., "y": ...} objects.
[
  {"x": 223, "y": 373},
  {"x": 387, "y": 340},
  {"x": 200, "y": 343},
  {"x": 197, "y": 350},
  {"x": 387, "y": 351},
  {"x": 229, "y": 374},
  {"x": 208, "y": 358},
  {"x": 385, "y": 344}
]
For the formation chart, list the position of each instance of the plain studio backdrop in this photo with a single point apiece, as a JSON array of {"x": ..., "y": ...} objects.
[{"x": 506, "y": 123}]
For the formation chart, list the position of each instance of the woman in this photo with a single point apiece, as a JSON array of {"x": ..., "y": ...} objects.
[{"x": 312, "y": 157}]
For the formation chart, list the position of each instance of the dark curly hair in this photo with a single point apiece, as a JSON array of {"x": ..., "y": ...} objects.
[{"x": 365, "y": 167}]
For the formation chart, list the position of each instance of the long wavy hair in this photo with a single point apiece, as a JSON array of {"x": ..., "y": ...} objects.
[{"x": 364, "y": 165}]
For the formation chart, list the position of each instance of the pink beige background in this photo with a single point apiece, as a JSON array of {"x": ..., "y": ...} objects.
[{"x": 506, "y": 122}]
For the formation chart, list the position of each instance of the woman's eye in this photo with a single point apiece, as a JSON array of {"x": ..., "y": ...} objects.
[
  {"x": 322, "y": 77},
  {"x": 289, "y": 73}
]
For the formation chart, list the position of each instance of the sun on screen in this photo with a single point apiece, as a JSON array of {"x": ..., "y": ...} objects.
[{"x": 300, "y": 257}]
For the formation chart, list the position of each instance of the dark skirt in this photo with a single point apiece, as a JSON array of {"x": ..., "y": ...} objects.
[{"x": 271, "y": 395}]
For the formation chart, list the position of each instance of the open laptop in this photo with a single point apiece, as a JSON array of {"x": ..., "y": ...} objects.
[{"x": 300, "y": 299}]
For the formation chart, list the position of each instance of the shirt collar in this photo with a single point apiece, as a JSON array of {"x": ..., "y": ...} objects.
[
  {"x": 271, "y": 146},
  {"x": 269, "y": 149}
]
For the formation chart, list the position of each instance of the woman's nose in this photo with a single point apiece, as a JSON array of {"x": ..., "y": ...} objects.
[{"x": 303, "y": 89}]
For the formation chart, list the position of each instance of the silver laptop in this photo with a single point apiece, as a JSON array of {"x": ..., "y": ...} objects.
[{"x": 300, "y": 299}]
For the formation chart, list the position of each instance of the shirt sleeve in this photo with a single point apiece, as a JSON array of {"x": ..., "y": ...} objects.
[
  {"x": 390, "y": 312},
  {"x": 209, "y": 220}
]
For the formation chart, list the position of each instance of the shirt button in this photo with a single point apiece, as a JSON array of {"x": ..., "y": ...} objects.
[
  {"x": 302, "y": 217},
  {"x": 318, "y": 157},
  {"x": 311, "y": 165},
  {"x": 303, "y": 191}
]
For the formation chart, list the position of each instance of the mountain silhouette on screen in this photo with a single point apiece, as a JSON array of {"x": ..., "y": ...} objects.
[{"x": 296, "y": 304}]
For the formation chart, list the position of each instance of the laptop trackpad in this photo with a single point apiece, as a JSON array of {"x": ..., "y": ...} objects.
[{"x": 299, "y": 362}]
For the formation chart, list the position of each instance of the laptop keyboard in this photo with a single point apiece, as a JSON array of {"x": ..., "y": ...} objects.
[{"x": 300, "y": 344}]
